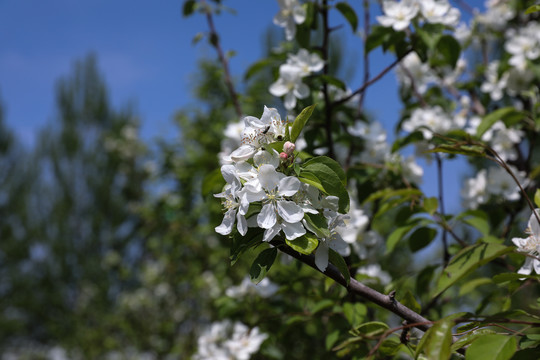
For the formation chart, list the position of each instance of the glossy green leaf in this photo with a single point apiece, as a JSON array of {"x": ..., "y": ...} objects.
[
  {"x": 468, "y": 260},
  {"x": 300, "y": 122},
  {"x": 332, "y": 164},
  {"x": 493, "y": 347},
  {"x": 436, "y": 342},
  {"x": 421, "y": 238},
  {"x": 262, "y": 263},
  {"x": 459, "y": 149},
  {"x": 317, "y": 224},
  {"x": 532, "y": 9},
  {"x": 330, "y": 179},
  {"x": 501, "y": 278},
  {"x": 470, "y": 337},
  {"x": 213, "y": 182},
  {"x": 446, "y": 52},
  {"x": 508, "y": 115},
  {"x": 477, "y": 219},
  {"x": 340, "y": 263},
  {"x": 305, "y": 244},
  {"x": 242, "y": 243},
  {"x": 348, "y": 12}
]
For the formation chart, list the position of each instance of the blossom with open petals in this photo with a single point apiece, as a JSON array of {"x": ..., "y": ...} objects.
[
  {"x": 398, "y": 15},
  {"x": 291, "y": 13},
  {"x": 530, "y": 245},
  {"x": 290, "y": 85}
]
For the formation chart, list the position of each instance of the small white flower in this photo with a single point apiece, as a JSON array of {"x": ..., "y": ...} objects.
[
  {"x": 494, "y": 85},
  {"x": 439, "y": 12},
  {"x": 530, "y": 245},
  {"x": 428, "y": 121},
  {"x": 412, "y": 69},
  {"x": 277, "y": 213},
  {"x": 398, "y": 15},
  {"x": 306, "y": 62},
  {"x": 235, "y": 202},
  {"x": 290, "y": 14},
  {"x": 290, "y": 85}
]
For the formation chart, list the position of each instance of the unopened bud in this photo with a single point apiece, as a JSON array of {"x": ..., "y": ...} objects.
[
  {"x": 289, "y": 147},
  {"x": 283, "y": 156}
]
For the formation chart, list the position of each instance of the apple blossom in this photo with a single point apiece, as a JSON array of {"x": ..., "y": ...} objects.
[
  {"x": 530, "y": 245},
  {"x": 290, "y": 14},
  {"x": 398, "y": 15}
]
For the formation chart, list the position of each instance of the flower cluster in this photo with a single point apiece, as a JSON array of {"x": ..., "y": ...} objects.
[
  {"x": 289, "y": 83},
  {"x": 225, "y": 340},
  {"x": 398, "y": 15},
  {"x": 264, "y": 190}
]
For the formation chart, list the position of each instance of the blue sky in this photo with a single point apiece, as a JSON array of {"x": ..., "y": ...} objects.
[{"x": 145, "y": 52}]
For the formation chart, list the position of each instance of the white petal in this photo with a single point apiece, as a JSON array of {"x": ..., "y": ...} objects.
[
  {"x": 267, "y": 217},
  {"x": 321, "y": 256},
  {"x": 279, "y": 88},
  {"x": 290, "y": 211},
  {"x": 268, "y": 177},
  {"x": 264, "y": 157},
  {"x": 226, "y": 225},
  {"x": 293, "y": 231},
  {"x": 299, "y": 14},
  {"x": 534, "y": 225},
  {"x": 536, "y": 265},
  {"x": 269, "y": 234},
  {"x": 290, "y": 101},
  {"x": 241, "y": 224},
  {"x": 527, "y": 267},
  {"x": 243, "y": 153},
  {"x": 288, "y": 186},
  {"x": 301, "y": 91}
]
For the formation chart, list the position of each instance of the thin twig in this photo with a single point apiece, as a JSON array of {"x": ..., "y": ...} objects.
[
  {"x": 446, "y": 255},
  {"x": 222, "y": 59},
  {"x": 370, "y": 82}
]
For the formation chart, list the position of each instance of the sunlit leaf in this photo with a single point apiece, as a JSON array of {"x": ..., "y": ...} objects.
[
  {"x": 262, "y": 263},
  {"x": 493, "y": 347}
]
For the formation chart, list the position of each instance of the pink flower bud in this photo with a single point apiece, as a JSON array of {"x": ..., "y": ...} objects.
[
  {"x": 289, "y": 147},
  {"x": 283, "y": 156}
]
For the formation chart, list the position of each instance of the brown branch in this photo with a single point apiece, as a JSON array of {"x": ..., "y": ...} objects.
[
  {"x": 214, "y": 40},
  {"x": 356, "y": 287},
  {"x": 372, "y": 81}
]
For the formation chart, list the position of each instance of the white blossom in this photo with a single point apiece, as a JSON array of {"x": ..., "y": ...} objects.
[
  {"x": 290, "y": 14},
  {"x": 530, "y": 245},
  {"x": 494, "y": 84},
  {"x": 412, "y": 69},
  {"x": 307, "y": 63},
  {"x": 428, "y": 121},
  {"x": 290, "y": 85},
  {"x": 398, "y": 15}
]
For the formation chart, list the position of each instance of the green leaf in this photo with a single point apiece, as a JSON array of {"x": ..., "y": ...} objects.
[
  {"x": 333, "y": 81},
  {"x": 390, "y": 346},
  {"x": 396, "y": 236},
  {"x": 390, "y": 193},
  {"x": 276, "y": 145},
  {"x": 431, "y": 205},
  {"x": 340, "y": 263},
  {"x": 409, "y": 301},
  {"x": 493, "y": 347},
  {"x": 421, "y": 238},
  {"x": 459, "y": 149},
  {"x": 477, "y": 219},
  {"x": 370, "y": 329},
  {"x": 300, "y": 122},
  {"x": 317, "y": 224},
  {"x": 468, "y": 260},
  {"x": 331, "y": 339},
  {"x": 436, "y": 342},
  {"x": 347, "y": 11},
  {"x": 509, "y": 115},
  {"x": 470, "y": 337},
  {"x": 242, "y": 243},
  {"x": 379, "y": 35},
  {"x": 537, "y": 197},
  {"x": 256, "y": 67},
  {"x": 321, "y": 305},
  {"x": 213, "y": 182},
  {"x": 355, "y": 313},
  {"x": 305, "y": 244},
  {"x": 501, "y": 278},
  {"x": 189, "y": 7},
  {"x": 324, "y": 172},
  {"x": 411, "y": 138},
  {"x": 334, "y": 165},
  {"x": 262, "y": 263},
  {"x": 532, "y": 9},
  {"x": 473, "y": 284},
  {"x": 446, "y": 52}
]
